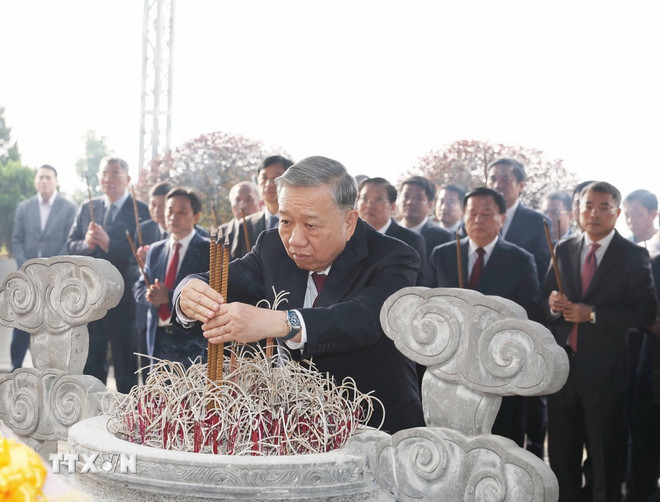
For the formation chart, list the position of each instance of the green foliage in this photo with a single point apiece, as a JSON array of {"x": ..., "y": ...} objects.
[
  {"x": 466, "y": 162},
  {"x": 16, "y": 185},
  {"x": 210, "y": 164},
  {"x": 8, "y": 151},
  {"x": 87, "y": 167}
]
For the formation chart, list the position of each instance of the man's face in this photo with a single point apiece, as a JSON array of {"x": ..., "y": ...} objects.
[
  {"x": 180, "y": 217},
  {"x": 266, "y": 182},
  {"x": 502, "y": 179},
  {"x": 639, "y": 219},
  {"x": 448, "y": 208},
  {"x": 45, "y": 182},
  {"x": 373, "y": 205},
  {"x": 559, "y": 217},
  {"x": 245, "y": 201},
  {"x": 157, "y": 208},
  {"x": 598, "y": 214},
  {"x": 414, "y": 205},
  {"x": 114, "y": 180},
  {"x": 313, "y": 229},
  {"x": 483, "y": 219}
]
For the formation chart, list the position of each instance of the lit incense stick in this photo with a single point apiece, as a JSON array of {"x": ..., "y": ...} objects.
[
  {"x": 137, "y": 217},
  {"x": 137, "y": 258},
  {"x": 459, "y": 260},
  {"x": 89, "y": 194},
  {"x": 552, "y": 255}
]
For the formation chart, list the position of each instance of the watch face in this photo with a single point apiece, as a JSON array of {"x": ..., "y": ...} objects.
[{"x": 292, "y": 317}]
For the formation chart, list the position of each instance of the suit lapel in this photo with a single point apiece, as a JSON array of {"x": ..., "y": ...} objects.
[
  {"x": 574, "y": 253},
  {"x": 611, "y": 258}
]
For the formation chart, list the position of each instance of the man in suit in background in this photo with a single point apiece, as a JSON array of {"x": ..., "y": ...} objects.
[
  {"x": 524, "y": 227},
  {"x": 41, "y": 226},
  {"x": 607, "y": 288},
  {"x": 376, "y": 205},
  {"x": 183, "y": 253},
  {"x": 504, "y": 269},
  {"x": 449, "y": 208},
  {"x": 558, "y": 208},
  {"x": 640, "y": 208},
  {"x": 270, "y": 168},
  {"x": 415, "y": 202},
  {"x": 338, "y": 271},
  {"x": 245, "y": 201},
  {"x": 105, "y": 237}
]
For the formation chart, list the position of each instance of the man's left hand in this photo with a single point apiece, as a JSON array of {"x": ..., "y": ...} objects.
[
  {"x": 245, "y": 323},
  {"x": 577, "y": 312}
]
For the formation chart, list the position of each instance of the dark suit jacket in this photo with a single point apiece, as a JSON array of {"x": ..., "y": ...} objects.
[
  {"x": 510, "y": 273},
  {"x": 623, "y": 295},
  {"x": 434, "y": 236},
  {"x": 195, "y": 261},
  {"x": 27, "y": 239},
  {"x": 344, "y": 335},
  {"x": 237, "y": 244},
  {"x": 526, "y": 230},
  {"x": 119, "y": 253},
  {"x": 414, "y": 240}
]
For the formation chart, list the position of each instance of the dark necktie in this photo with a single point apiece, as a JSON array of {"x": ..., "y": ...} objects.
[
  {"x": 273, "y": 222},
  {"x": 164, "y": 310},
  {"x": 109, "y": 215},
  {"x": 477, "y": 269},
  {"x": 319, "y": 281},
  {"x": 588, "y": 271},
  {"x": 164, "y": 235}
]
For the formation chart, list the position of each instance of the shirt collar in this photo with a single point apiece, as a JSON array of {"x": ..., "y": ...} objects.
[
  {"x": 118, "y": 203},
  {"x": 472, "y": 247},
  {"x": 604, "y": 242},
  {"x": 385, "y": 227},
  {"x": 418, "y": 228},
  {"x": 184, "y": 242},
  {"x": 50, "y": 201}
]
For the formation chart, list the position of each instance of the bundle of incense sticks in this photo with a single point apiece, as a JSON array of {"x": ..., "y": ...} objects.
[{"x": 218, "y": 280}]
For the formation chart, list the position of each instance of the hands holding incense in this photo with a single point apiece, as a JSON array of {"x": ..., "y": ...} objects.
[
  {"x": 226, "y": 322},
  {"x": 97, "y": 236},
  {"x": 572, "y": 312}
]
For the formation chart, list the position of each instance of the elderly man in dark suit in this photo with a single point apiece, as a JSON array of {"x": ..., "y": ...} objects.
[
  {"x": 415, "y": 205},
  {"x": 338, "y": 271},
  {"x": 168, "y": 261},
  {"x": 41, "y": 226},
  {"x": 376, "y": 205},
  {"x": 607, "y": 288},
  {"x": 245, "y": 201},
  {"x": 492, "y": 266},
  {"x": 105, "y": 237}
]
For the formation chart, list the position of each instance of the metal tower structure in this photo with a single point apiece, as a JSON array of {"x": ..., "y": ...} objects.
[{"x": 156, "y": 102}]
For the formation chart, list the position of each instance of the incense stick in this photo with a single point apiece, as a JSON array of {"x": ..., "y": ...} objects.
[
  {"x": 91, "y": 206},
  {"x": 137, "y": 258},
  {"x": 459, "y": 261},
  {"x": 137, "y": 217},
  {"x": 552, "y": 255},
  {"x": 248, "y": 247}
]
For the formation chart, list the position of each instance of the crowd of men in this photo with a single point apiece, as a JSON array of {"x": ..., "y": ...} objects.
[{"x": 340, "y": 248}]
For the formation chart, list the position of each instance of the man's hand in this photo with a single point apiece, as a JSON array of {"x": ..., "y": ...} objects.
[
  {"x": 577, "y": 312},
  {"x": 200, "y": 301},
  {"x": 97, "y": 236},
  {"x": 245, "y": 323},
  {"x": 558, "y": 301},
  {"x": 157, "y": 294},
  {"x": 142, "y": 254}
]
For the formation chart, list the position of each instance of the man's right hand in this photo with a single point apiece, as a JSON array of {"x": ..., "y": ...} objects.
[{"x": 200, "y": 301}]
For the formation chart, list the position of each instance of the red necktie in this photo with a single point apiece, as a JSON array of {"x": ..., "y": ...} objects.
[
  {"x": 164, "y": 310},
  {"x": 477, "y": 269},
  {"x": 588, "y": 271},
  {"x": 319, "y": 280}
]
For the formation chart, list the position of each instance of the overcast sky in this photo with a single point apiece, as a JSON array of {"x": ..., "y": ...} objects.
[{"x": 374, "y": 84}]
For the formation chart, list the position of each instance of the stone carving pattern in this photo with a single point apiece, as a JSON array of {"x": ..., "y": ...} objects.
[
  {"x": 477, "y": 348},
  {"x": 54, "y": 299}
]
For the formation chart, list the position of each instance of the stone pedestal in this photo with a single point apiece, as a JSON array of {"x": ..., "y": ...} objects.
[{"x": 7, "y": 265}]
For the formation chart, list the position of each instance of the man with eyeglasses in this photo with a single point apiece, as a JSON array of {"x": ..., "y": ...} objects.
[
  {"x": 607, "y": 289},
  {"x": 104, "y": 236},
  {"x": 415, "y": 204},
  {"x": 376, "y": 205}
]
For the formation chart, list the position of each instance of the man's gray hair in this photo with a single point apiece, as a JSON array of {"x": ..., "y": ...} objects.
[
  {"x": 114, "y": 160},
  {"x": 318, "y": 171},
  {"x": 233, "y": 192}
]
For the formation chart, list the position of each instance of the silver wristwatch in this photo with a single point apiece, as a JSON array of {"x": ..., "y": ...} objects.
[{"x": 293, "y": 321}]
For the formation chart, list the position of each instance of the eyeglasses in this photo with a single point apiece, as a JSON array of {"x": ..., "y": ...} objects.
[
  {"x": 603, "y": 208},
  {"x": 376, "y": 202}
]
